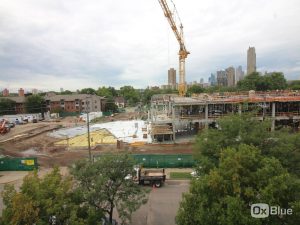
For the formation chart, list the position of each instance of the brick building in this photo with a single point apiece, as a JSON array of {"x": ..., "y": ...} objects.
[{"x": 74, "y": 102}]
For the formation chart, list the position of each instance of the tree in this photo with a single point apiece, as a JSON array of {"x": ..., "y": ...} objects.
[
  {"x": 107, "y": 92},
  {"x": 88, "y": 91},
  {"x": 240, "y": 163},
  {"x": 147, "y": 95},
  {"x": 255, "y": 81},
  {"x": 244, "y": 129},
  {"x": 276, "y": 81},
  {"x": 34, "y": 104},
  {"x": 130, "y": 94},
  {"x": 7, "y": 106},
  {"x": 244, "y": 176},
  {"x": 104, "y": 187},
  {"x": 110, "y": 105},
  {"x": 249, "y": 82},
  {"x": 66, "y": 92},
  {"x": 41, "y": 198},
  {"x": 195, "y": 89},
  {"x": 294, "y": 85}
]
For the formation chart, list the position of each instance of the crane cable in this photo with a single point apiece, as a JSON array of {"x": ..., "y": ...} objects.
[{"x": 175, "y": 10}]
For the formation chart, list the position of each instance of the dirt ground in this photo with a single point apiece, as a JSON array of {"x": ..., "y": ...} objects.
[{"x": 32, "y": 140}]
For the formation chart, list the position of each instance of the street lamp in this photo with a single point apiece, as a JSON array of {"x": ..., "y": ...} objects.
[{"x": 88, "y": 129}]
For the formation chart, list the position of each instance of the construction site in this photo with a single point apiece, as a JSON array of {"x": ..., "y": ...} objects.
[
  {"x": 173, "y": 117},
  {"x": 171, "y": 125}
]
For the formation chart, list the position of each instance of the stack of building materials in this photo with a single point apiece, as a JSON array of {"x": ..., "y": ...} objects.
[{"x": 98, "y": 137}]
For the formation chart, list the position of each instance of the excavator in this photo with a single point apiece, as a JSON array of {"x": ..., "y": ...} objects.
[
  {"x": 183, "y": 53},
  {"x": 3, "y": 129}
]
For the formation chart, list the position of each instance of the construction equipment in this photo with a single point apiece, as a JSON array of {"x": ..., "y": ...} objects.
[
  {"x": 154, "y": 177},
  {"x": 3, "y": 128},
  {"x": 183, "y": 53}
]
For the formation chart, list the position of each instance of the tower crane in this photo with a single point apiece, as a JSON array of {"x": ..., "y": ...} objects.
[{"x": 183, "y": 53}]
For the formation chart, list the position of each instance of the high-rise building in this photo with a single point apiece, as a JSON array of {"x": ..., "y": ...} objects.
[
  {"x": 230, "y": 75},
  {"x": 239, "y": 74},
  {"x": 5, "y": 92},
  {"x": 212, "y": 79},
  {"x": 221, "y": 78},
  {"x": 251, "y": 60},
  {"x": 172, "y": 78}
]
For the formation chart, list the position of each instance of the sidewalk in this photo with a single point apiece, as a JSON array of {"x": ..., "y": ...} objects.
[{"x": 11, "y": 176}]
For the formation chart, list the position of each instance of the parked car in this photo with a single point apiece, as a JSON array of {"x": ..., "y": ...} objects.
[{"x": 10, "y": 125}]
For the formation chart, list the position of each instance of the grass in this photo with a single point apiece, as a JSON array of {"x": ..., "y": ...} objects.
[{"x": 180, "y": 175}]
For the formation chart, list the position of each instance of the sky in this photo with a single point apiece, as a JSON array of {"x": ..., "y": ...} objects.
[{"x": 74, "y": 44}]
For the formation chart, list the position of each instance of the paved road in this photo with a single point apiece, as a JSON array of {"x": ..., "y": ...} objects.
[{"x": 162, "y": 205}]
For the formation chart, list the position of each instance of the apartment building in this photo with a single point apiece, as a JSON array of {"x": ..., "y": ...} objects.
[{"x": 75, "y": 102}]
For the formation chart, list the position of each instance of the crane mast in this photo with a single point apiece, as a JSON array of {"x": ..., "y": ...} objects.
[{"x": 182, "y": 49}]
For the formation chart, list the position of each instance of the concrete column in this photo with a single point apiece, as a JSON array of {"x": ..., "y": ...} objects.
[
  {"x": 240, "y": 109},
  {"x": 173, "y": 123},
  {"x": 273, "y": 116},
  {"x": 206, "y": 116}
]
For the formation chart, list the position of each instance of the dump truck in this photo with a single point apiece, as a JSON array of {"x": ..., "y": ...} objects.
[{"x": 154, "y": 177}]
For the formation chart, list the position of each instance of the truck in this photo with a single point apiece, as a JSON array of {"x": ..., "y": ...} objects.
[{"x": 154, "y": 177}]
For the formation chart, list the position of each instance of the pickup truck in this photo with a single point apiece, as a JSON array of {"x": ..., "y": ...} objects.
[{"x": 154, "y": 177}]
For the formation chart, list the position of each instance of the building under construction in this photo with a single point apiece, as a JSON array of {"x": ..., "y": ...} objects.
[{"x": 172, "y": 116}]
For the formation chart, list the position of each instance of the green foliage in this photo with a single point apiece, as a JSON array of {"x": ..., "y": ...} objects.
[
  {"x": 39, "y": 199},
  {"x": 107, "y": 92},
  {"x": 66, "y": 92},
  {"x": 7, "y": 106},
  {"x": 244, "y": 176},
  {"x": 110, "y": 105},
  {"x": 147, "y": 95},
  {"x": 244, "y": 129},
  {"x": 233, "y": 131},
  {"x": 195, "y": 89},
  {"x": 241, "y": 163},
  {"x": 34, "y": 104},
  {"x": 88, "y": 91},
  {"x": 255, "y": 81},
  {"x": 131, "y": 95},
  {"x": 294, "y": 85},
  {"x": 180, "y": 175},
  {"x": 103, "y": 186},
  {"x": 57, "y": 110},
  {"x": 220, "y": 89}
]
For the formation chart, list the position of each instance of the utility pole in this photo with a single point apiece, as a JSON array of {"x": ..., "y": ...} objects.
[{"x": 88, "y": 129}]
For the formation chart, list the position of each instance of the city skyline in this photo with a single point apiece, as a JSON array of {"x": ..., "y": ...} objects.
[{"x": 47, "y": 45}]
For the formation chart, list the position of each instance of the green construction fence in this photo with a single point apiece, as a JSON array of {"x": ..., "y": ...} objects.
[
  {"x": 18, "y": 164},
  {"x": 164, "y": 161}
]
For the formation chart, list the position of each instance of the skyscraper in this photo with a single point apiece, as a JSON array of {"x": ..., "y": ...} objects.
[
  {"x": 251, "y": 60},
  {"x": 230, "y": 75},
  {"x": 172, "y": 78},
  {"x": 212, "y": 79},
  {"x": 221, "y": 78},
  {"x": 239, "y": 74}
]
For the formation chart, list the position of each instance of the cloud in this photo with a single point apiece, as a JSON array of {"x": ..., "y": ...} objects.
[{"x": 75, "y": 44}]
